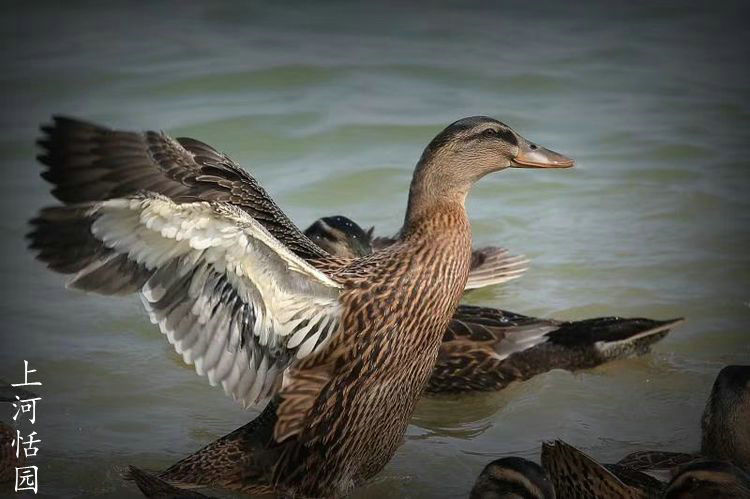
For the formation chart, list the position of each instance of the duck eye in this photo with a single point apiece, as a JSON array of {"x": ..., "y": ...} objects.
[{"x": 490, "y": 132}]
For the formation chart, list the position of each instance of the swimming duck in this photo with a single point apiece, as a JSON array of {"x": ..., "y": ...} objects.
[
  {"x": 487, "y": 349},
  {"x": 724, "y": 439},
  {"x": 339, "y": 349},
  {"x": 512, "y": 478},
  {"x": 709, "y": 480},
  {"x": 338, "y": 235}
]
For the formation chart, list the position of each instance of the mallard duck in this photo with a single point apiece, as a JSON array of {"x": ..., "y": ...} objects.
[
  {"x": 725, "y": 432},
  {"x": 512, "y": 478},
  {"x": 487, "y": 349},
  {"x": 340, "y": 236},
  {"x": 342, "y": 348},
  {"x": 709, "y": 480}
]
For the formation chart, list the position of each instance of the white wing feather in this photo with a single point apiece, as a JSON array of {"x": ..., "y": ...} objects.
[{"x": 231, "y": 298}]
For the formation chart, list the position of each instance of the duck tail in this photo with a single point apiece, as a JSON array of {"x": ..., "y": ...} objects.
[{"x": 592, "y": 342}]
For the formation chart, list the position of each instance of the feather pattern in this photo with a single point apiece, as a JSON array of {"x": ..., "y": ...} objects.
[
  {"x": 230, "y": 298},
  {"x": 490, "y": 265},
  {"x": 229, "y": 294},
  {"x": 87, "y": 162}
]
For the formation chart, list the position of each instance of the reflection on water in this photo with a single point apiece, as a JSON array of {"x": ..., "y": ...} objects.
[{"x": 330, "y": 108}]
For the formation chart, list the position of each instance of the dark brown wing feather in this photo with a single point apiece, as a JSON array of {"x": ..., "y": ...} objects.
[{"x": 87, "y": 162}]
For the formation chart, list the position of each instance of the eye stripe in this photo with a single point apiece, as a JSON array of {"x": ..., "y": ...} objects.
[
  {"x": 508, "y": 136},
  {"x": 504, "y": 134}
]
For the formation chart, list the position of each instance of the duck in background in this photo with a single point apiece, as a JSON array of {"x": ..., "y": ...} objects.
[
  {"x": 486, "y": 349},
  {"x": 720, "y": 465},
  {"x": 340, "y": 236},
  {"x": 709, "y": 480},
  {"x": 512, "y": 478}
]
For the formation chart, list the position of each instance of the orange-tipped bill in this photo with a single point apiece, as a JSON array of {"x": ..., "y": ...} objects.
[{"x": 534, "y": 156}]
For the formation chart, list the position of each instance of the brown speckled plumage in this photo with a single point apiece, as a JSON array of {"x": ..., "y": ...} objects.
[
  {"x": 577, "y": 476},
  {"x": 343, "y": 408},
  {"x": 486, "y": 349}
]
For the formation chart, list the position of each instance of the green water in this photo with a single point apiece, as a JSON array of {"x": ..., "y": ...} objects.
[{"x": 329, "y": 108}]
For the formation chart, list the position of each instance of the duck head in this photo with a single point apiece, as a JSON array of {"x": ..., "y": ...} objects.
[
  {"x": 466, "y": 151},
  {"x": 715, "y": 479},
  {"x": 512, "y": 478},
  {"x": 340, "y": 236},
  {"x": 726, "y": 418}
]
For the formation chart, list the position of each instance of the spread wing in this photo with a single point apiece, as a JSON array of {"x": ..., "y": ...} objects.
[
  {"x": 230, "y": 297},
  {"x": 87, "y": 163}
]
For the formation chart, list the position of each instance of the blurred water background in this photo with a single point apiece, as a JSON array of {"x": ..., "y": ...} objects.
[{"x": 329, "y": 105}]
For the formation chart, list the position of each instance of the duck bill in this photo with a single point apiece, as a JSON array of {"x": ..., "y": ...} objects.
[{"x": 534, "y": 156}]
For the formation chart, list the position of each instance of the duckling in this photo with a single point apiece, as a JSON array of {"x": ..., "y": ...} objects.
[
  {"x": 725, "y": 433},
  {"x": 339, "y": 350},
  {"x": 709, "y": 480},
  {"x": 340, "y": 236},
  {"x": 512, "y": 478},
  {"x": 486, "y": 349}
]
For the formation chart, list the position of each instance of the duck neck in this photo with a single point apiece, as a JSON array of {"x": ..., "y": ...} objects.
[{"x": 436, "y": 202}]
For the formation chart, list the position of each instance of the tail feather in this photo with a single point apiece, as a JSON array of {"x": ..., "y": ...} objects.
[{"x": 609, "y": 338}]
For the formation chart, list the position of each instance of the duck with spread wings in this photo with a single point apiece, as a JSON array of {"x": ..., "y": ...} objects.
[{"x": 339, "y": 350}]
